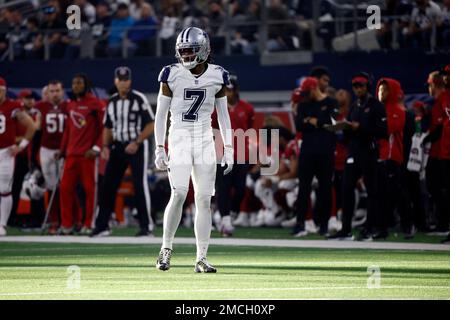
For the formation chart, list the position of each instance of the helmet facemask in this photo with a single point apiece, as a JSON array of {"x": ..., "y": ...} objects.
[
  {"x": 192, "y": 47},
  {"x": 188, "y": 56}
]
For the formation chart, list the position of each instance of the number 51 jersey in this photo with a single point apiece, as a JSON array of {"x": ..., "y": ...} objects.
[{"x": 193, "y": 97}]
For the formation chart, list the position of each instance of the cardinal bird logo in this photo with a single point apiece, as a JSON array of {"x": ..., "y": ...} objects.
[
  {"x": 447, "y": 111},
  {"x": 78, "y": 119}
]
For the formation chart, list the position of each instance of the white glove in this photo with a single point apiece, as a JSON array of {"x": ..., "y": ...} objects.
[
  {"x": 161, "y": 160},
  {"x": 228, "y": 159}
]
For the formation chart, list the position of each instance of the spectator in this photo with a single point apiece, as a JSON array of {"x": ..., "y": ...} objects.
[
  {"x": 446, "y": 25},
  {"x": 16, "y": 31},
  {"x": 87, "y": 9},
  {"x": 239, "y": 44},
  {"x": 100, "y": 28},
  {"x": 216, "y": 18},
  {"x": 136, "y": 9},
  {"x": 119, "y": 25},
  {"x": 394, "y": 10},
  {"x": 73, "y": 40},
  {"x": 316, "y": 153},
  {"x": 4, "y": 31},
  {"x": 54, "y": 27},
  {"x": 282, "y": 35},
  {"x": 425, "y": 17},
  {"x": 144, "y": 31},
  {"x": 33, "y": 45},
  {"x": 170, "y": 24}
]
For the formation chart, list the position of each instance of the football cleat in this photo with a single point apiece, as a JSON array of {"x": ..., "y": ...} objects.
[
  {"x": 341, "y": 235},
  {"x": 163, "y": 262},
  {"x": 202, "y": 266},
  {"x": 97, "y": 233},
  {"x": 2, "y": 231}
]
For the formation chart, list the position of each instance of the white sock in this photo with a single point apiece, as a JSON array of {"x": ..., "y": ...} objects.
[
  {"x": 202, "y": 225},
  {"x": 172, "y": 217},
  {"x": 6, "y": 203},
  {"x": 226, "y": 220}
]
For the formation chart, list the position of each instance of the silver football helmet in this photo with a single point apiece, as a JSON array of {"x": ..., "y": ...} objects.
[
  {"x": 192, "y": 47},
  {"x": 33, "y": 184}
]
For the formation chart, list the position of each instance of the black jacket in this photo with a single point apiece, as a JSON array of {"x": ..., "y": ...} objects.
[
  {"x": 317, "y": 140},
  {"x": 372, "y": 119}
]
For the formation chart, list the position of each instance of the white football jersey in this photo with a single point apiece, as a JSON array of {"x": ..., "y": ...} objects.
[{"x": 193, "y": 97}]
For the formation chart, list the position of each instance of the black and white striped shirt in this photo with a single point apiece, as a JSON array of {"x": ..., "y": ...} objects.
[{"x": 127, "y": 117}]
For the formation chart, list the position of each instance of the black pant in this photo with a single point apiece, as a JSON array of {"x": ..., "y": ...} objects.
[
  {"x": 365, "y": 166},
  {"x": 338, "y": 177},
  {"x": 415, "y": 198},
  {"x": 393, "y": 196},
  {"x": 235, "y": 179},
  {"x": 436, "y": 178},
  {"x": 115, "y": 169},
  {"x": 321, "y": 166}
]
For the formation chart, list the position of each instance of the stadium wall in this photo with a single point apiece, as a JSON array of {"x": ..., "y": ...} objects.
[{"x": 411, "y": 68}]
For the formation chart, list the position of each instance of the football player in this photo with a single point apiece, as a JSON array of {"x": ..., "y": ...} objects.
[
  {"x": 189, "y": 90},
  {"x": 11, "y": 114},
  {"x": 53, "y": 120}
]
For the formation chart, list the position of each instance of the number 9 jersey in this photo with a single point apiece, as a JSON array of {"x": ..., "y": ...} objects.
[{"x": 193, "y": 97}]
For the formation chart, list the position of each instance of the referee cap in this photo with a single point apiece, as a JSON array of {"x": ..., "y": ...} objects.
[{"x": 123, "y": 73}]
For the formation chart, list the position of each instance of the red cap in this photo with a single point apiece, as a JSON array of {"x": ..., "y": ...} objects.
[
  {"x": 445, "y": 70},
  {"x": 360, "y": 79},
  {"x": 309, "y": 84},
  {"x": 2, "y": 82},
  {"x": 25, "y": 94},
  {"x": 418, "y": 104}
]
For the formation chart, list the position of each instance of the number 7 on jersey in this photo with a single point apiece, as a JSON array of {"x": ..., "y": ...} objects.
[{"x": 198, "y": 96}]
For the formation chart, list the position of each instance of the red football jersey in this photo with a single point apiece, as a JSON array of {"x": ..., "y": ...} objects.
[
  {"x": 445, "y": 139},
  {"x": 84, "y": 125},
  {"x": 8, "y": 122},
  {"x": 242, "y": 116},
  {"x": 53, "y": 123}
]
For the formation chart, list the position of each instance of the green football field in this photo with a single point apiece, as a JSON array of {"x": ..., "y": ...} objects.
[{"x": 127, "y": 271}]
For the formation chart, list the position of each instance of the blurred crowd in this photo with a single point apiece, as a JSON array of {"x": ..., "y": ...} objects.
[
  {"x": 108, "y": 28},
  {"x": 106, "y": 25}
]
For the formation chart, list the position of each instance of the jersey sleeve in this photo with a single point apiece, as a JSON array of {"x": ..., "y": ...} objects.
[
  {"x": 225, "y": 77},
  {"x": 107, "y": 122},
  {"x": 15, "y": 109},
  {"x": 145, "y": 110}
]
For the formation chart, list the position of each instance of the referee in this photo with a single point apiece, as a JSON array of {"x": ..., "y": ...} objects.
[{"x": 128, "y": 123}]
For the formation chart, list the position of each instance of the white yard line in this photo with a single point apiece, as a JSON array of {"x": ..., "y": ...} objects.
[
  {"x": 78, "y": 292},
  {"x": 321, "y": 244}
]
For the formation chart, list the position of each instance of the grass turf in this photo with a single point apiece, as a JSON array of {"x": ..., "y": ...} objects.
[{"x": 39, "y": 271}]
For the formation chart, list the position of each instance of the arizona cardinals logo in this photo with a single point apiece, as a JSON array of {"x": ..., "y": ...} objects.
[
  {"x": 447, "y": 111},
  {"x": 78, "y": 119}
]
